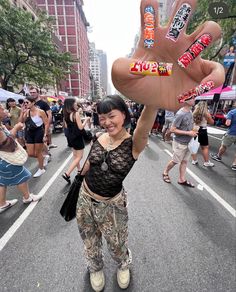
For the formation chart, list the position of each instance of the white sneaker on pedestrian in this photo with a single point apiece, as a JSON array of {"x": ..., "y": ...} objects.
[
  {"x": 194, "y": 162},
  {"x": 233, "y": 167},
  {"x": 46, "y": 160},
  {"x": 123, "y": 278},
  {"x": 97, "y": 280},
  {"x": 208, "y": 164},
  {"x": 9, "y": 204},
  {"x": 52, "y": 146},
  {"x": 32, "y": 198},
  {"x": 39, "y": 172}
]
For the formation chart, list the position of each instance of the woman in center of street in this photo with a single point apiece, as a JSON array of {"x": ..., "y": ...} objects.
[{"x": 102, "y": 203}]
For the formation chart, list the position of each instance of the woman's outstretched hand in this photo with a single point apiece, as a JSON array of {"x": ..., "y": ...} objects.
[{"x": 169, "y": 44}]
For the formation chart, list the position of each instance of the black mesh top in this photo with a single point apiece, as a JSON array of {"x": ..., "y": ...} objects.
[{"x": 119, "y": 160}]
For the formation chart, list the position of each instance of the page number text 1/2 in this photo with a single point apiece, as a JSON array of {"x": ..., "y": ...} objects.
[{"x": 218, "y": 9}]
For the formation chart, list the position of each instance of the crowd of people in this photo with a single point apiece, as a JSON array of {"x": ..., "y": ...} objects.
[
  {"x": 35, "y": 115},
  {"x": 199, "y": 119},
  {"x": 126, "y": 126},
  {"x": 28, "y": 124}
]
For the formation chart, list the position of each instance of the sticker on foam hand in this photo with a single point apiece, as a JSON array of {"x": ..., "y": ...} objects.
[
  {"x": 149, "y": 21},
  {"x": 179, "y": 22},
  {"x": 192, "y": 93},
  {"x": 151, "y": 68},
  {"x": 194, "y": 50}
]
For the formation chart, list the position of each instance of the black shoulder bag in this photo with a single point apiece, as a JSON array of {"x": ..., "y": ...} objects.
[
  {"x": 68, "y": 209},
  {"x": 75, "y": 132},
  {"x": 29, "y": 123}
]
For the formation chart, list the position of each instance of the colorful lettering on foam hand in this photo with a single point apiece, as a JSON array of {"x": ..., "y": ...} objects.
[
  {"x": 179, "y": 21},
  {"x": 202, "y": 88},
  {"x": 151, "y": 68},
  {"x": 149, "y": 20},
  {"x": 194, "y": 50}
]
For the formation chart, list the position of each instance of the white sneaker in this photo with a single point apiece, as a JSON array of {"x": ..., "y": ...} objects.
[
  {"x": 39, "y": 172},
  {"x": 97, "y": 280},
  {"x": 194, "y": 162},
  {"x": 9, "y": 204},
  {"x": 208, "y": 164},
  {"x": 52, "y": 146},
  {"x": 46, "y": 160},
  {"x": 32, "y": 198},
  {"x": 123, "y": 278}
]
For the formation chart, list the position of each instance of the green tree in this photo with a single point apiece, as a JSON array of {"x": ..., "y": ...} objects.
[
  {"x": 228, "y": 26},
  {"x": 27, "y": 51}
]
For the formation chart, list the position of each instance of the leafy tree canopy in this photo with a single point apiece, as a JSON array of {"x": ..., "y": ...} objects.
[{"x": 27, "y": 51}]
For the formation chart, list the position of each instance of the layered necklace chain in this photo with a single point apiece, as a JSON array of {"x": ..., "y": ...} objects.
[{"x": 104, "y": 165}]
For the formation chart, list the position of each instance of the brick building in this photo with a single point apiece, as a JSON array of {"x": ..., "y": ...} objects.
[{"x": 71, "y": 26}]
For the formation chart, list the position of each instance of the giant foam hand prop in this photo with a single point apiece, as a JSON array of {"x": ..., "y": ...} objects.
[{"x": 166, "y": 68}]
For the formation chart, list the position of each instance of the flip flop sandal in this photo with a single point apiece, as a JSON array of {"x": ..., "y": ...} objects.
[
  {"x": 166, "y": 178},
  {"x": 186, "y": 184},
  {"x": 66, "y": 177}
]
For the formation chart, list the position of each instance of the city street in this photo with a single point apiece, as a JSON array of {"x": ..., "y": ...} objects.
[{"x": 182, "y": 239}]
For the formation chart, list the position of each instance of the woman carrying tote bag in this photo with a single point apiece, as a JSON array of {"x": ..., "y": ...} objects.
[{"x": 12, "y": 173}]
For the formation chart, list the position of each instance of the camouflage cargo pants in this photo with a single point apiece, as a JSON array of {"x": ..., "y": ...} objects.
[{"x": 110, "y": 219}]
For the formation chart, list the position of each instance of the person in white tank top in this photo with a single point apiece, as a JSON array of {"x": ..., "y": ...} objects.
[{"x": 35, "y": 138}]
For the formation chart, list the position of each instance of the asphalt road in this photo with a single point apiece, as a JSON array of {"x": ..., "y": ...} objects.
[{"x": 182, "y": 239}]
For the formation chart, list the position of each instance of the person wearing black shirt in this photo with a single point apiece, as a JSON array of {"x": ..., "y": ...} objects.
[{"x": 46, "y": 108}]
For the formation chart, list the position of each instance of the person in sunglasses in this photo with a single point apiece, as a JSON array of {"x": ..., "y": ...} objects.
[{"x": 36, "y": 127}]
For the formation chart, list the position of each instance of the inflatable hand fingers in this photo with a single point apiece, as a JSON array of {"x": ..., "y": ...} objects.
[{"x": 166, "y": 68}]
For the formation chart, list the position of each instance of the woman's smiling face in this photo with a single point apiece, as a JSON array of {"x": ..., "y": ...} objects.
[{"x": 112, "y": 122}]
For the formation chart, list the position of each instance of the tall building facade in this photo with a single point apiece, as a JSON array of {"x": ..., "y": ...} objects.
[
  {"x": 27, "y": 5},
  {"x": 71, "y": 26},
  {"x": 31, "y": 6},
  {"x": 103, "y": 70},
  {"x": 95, "y": 70},
  {"x": 162, "y": 11},
  {"x": 165, "y": 9},
  {"x": 98, "y": 71}
]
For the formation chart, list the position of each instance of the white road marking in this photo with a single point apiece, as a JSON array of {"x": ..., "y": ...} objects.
[
  {"x": 226, "y": 205},
  {"x": 215, "y": 137},
  {"x": 213, "y": 130},
  {"x": 11, "y": 231}
]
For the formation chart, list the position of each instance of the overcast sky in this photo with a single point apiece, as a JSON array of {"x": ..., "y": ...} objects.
[{"x": 114, "y": 24}]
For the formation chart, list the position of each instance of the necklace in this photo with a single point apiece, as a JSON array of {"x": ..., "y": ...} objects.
[{"x": 104, "y": 165}]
